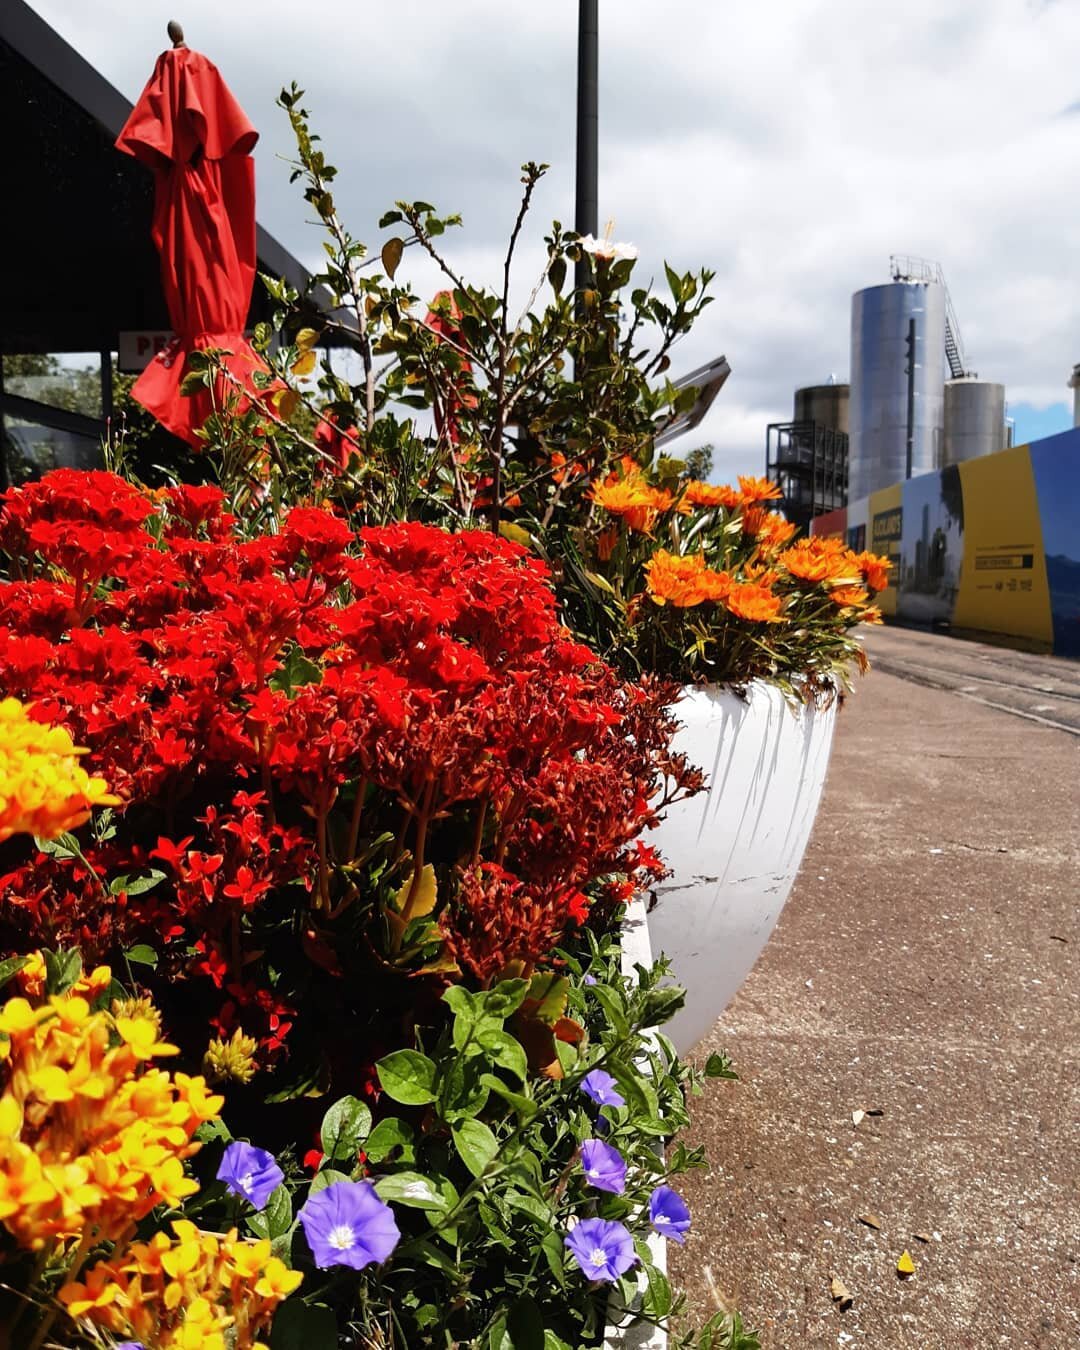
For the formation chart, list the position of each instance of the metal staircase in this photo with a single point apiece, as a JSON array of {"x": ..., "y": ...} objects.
[{"x": 904, "y": 267}]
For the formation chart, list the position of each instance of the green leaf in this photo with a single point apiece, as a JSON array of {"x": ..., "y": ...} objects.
[
  {"x": 344, "y": 1128},
  {"x": 275, "y": 1218},
  {"x": 327, "y": 1177},
  {"x": 408, "y": 1077},
  {"x": 391, "y": 255},
  {"x": 613, "y": 1008},
  {"x": 557, "y": 275},
  {"x": 506, "y": 998},
  {"x": 550, "y": 992},
  {"x": 11, "y": 967},
  {"x": 504, "y": 1050},
  {"x": 304, "y": 1326},
  {"x": 719, "y": 1066},
  {"x": 62, "y": 969},
  {"x": 142, "y": 955},
  {"x": 524, "y": 1106},
  {"x": 475, "y": 1143},
  {"x": 412, "y": 1189},
  {"x": 661, "y": 1005},
  {"x": 389, "y": 1134},
  {"x": 525, "y": 1326},
  {"x": 136, "y": 885},
  {"x": 192, "y": 382},
  {"x": 294, "y": 672}
]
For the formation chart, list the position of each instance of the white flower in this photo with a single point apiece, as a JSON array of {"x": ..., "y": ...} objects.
[{"x": 607, "y": 248}]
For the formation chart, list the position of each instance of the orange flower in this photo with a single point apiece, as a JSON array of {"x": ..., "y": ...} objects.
[
  {"x": 871, "y": 614},
  {"x": 817, "y": 559},
  {"x": 683, "y": 581},
  {"x": 633, "y": 500},
  {"x": 849, "y": 595},
  {"x": 749, "y": 601},
  {"x": 772, "y": 530},
  {"x": 752, "y": 490},
  {"x": 711, "y": 494},
  {"x": 875, "y": 570}
]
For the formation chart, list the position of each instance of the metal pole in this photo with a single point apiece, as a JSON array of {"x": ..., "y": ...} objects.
[
  {"x": 106, "y": 390},
  {"x": 586, "y": 212},
  {"x": 910, "y": 396}
]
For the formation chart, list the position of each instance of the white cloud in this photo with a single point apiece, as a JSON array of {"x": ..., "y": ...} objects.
[{"x": 790, "y": 144}]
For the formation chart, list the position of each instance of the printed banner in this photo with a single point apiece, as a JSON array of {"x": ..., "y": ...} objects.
[
  {"x": 886, "y": 513},
  {"x": 1055, "y": 463},
  {"x": 1003, "y": 586}
]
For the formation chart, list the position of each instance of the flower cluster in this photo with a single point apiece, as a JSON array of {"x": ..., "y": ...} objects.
[
  {"x": 702, "y": 581},
  {"x": 44, "y": 790},
  {"x": 191, "y": 1291},
  {"x": 92, "y": 1135},
  {"x": 347, "y": 758}
]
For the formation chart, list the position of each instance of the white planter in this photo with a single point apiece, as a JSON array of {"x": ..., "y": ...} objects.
[{"x": 734, "y": 849}]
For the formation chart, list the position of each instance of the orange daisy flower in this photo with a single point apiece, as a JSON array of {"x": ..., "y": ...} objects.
[
  {"x": 683, "y": 581},
  {"x": 875, "y": 570},
  {"x": 817, "y": 559},
  {"x": 849, "y": 595},
  {"x": 710, "y": 495},
  {"x": 750, "y": 601},
  {"x": 634, "y": 501},
  {"x": 753, "y": 490}
]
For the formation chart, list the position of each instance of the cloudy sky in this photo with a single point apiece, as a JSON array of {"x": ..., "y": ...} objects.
[{"x": 791, "y": 145}]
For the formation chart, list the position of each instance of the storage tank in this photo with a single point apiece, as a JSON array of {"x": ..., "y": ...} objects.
[
  {"x": 880, "y": 321},
  {"x": 974, "y": 419},
  {"x": 1074, "y": 385},
  {"x": 825, "y": 404}
]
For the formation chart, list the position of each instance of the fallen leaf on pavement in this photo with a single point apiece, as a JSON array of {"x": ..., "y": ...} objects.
[
  {"x": 875, "y": 1110},
  {"x": 856, "y": 1116},
  {"x": 905, "y": 1266},
  {"x": 921, "y": 1237},
  {"x": 841, "y": 1294},
  {"x": 871, "y": 1220}
]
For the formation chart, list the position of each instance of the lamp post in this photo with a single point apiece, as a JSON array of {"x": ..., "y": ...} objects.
[{"x": 586, "y": 210}]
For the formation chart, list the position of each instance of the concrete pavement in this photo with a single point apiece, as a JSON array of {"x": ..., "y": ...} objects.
[{"x": 926, "y": 967}]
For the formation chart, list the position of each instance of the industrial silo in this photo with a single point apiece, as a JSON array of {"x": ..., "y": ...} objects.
[
  {"x": 1074, "y": 385},
  {"x": 974, "y": 419},
  {"x": 825, "y": 404},
  {"x": 882, "y": 319}
]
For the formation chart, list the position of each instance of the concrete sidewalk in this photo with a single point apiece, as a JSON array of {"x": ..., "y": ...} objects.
[{"x": 925, "y": 967}]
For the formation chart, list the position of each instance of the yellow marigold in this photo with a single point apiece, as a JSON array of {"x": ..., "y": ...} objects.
[
  {"x": 634, "y": 500},
  {"x": 92, "y": 1136},
  {"x": 817, "y": 559},
  {"x": 191, "y": 1291},
  {"x": 683, "y": 581},
  {"x": 749, "y": 601},
  {"x": 43, "y": 788}
]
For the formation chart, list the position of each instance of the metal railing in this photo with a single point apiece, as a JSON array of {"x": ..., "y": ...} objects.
[{"x": 906, "y": 267}]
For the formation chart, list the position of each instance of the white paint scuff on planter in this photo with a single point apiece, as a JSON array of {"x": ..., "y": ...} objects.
[
  {"x": 637, "y": 950},
  {"x": 734, "y": 849}
]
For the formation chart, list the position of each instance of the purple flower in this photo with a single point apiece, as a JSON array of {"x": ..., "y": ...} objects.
[
  {"x": 588, "y": 979},
  {"x": 250, "y": 1172},
  {"x": 130, "y": 1345},
  {"x": 604, "y": 1166},
  {"x": 668, "y": 1213},
  {"x": 603, "y": 1249},
  {"x": 600, "y": 1086},
  {"x": 348, "y": 1225}
]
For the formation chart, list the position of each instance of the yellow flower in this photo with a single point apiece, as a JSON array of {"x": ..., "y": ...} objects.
[
  {"x": 232, "y": 1059},
  {"x": 43, "y": 788}
]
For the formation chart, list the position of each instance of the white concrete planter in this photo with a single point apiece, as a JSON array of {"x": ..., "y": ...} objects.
[{"x": 734, "y": 849}]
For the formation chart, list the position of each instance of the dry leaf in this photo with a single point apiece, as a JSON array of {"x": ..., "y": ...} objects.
[
  {"x": 856, "y": 1116},
  {"x": 921, "y": 1237},
  {"x": 875, "y": 1111},
  {"x": 871, "y": 1220},
  {"x": 840, "y": 1293},
  {"x": 905, "y": 1266}
]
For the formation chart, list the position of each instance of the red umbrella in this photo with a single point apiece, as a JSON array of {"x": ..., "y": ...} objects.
[{"x": 190, "y": 130}]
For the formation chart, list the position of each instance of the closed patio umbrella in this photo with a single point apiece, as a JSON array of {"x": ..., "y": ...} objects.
[{"x": 191, "y": 132}]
